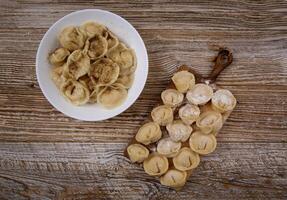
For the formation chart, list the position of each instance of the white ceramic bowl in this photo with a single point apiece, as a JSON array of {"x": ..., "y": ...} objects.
[{"x": 121, "y": 28}]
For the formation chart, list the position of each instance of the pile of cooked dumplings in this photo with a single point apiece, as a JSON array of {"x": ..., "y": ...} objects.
[
  {"x": 181, "y": 129},
  {"x": 92, "y": 66}
]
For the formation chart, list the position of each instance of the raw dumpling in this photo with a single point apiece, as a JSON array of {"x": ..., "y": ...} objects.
[
  {"x": 137, "y": 153},
  {"x": 112, "y": 96},
  {"x": 126, "y": 81},
  {"x": 183, "y": 81},
  {"x": 186, "y": 159},
  {"x": 92, "y": 29},
  {"x": 174, "y": 178},
  {"x": 78, "y": 65},
  {"x": 96, "y": 47},
  {"x": 223, "y": 101},
  {"x": 200, "y": 94},
  {"x": 77, "y": 93},
  {"x": 155, "y": 164},
  {"x": 171, "y": 97},
  {"x": 72, "y": 38},
  {"x": 210, "y": 122},
  {"x": 168, "y": 147},
  {"x": 189, "y": 113},
  {"x": 123, "y": 56},
  {"x": 162, "y": 115},
  {"x": 178, "y": 131},
  {"x": 202, "y": 143},
  {"x": 112, "y": 40},
  {"x": 59, "y": 56},
  {"x": 57, "y": 76},
  {"x": 104, "y": 71},
  {"x": 148, "y": 133}
]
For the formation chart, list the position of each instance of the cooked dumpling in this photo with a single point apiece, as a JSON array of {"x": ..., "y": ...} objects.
[
  {"x": 72, "y": 38},
  {"x": 94, "y": 93},
  {"x": 59, "y": 56},
  {"x": 104, "y": 71},
  {"x": 96, "y": 47},
  {"x": 210, "y": 122},
  {"x": 162, "y": 115},
  {"x": 112, "y": 40},
  {"x": 202, "y": 143},
  {"x": 112, "y": 96},
  {"x": 57, "y": 76},
  {"x": 200, "y": 94},
  {"x": 155, "y": 164},
  {"x": 223, "y": 100},
  {"x": 137, "y": 153},
  {"x": 178, "y": 131},
  {"x": 92, "y": 29},
  {"x": 148, "y": 133},
  {"x": 186, "y": 159},
  {"x": 123, "y": 56},
  {"x": 174, "y": 178},
  {"x": 189, "y": 113},
  {"x": 183, "y": 81},
  {"x": 171, "y": 97},
  {"x": 77, "y": 93},
  {"x": 78, "y": 65},
  {"x": 126, "y": 81},
  {"x": 168, "y": 147}
]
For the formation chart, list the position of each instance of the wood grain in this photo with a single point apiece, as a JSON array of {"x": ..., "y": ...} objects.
[{"x": 46, "y": 155}]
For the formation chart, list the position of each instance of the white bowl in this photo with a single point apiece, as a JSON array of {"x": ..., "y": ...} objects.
[{"x": 121, "y": 28}]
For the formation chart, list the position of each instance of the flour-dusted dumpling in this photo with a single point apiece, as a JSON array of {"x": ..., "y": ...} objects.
[
  {"x": 72, "y": 38},
  {"x": 96, "y": 47},
  {"x": 189, "y": 113},
  {"x": 178, "y": 131},
  {"x": 92, "y": 28},
  {"x": 162, "y": 115},
  {"x": 223, "y": 101},
  {"x": 104, "y": 71},
  {"x": 78, "y": 65},
  {"x": 200, "y": 94},
  {"x": 112, "y": 96},
  {"x": 57, "y": 77},
  {"x": 126, "y": 80},
  {"x": 174, "y": 178},
  {"x": 171, "y": 97},
  {"x": 183, "y": 81},
  {"x": 148, "y": 133},
  {"x": 123, "y": 56},
  {"x": 59, "y": 56},
  {"x": 210, "y": 122},
  {"x": 76, "y": 92},
  {"x": 112, "y": 40},
  {"x": 155, "y": 164},
  {"x": 186, "y": 159},
  {"x": 202, "y": 143},
  {"x": 168, "y": 147},
  {"x": 137, "y": 153}
]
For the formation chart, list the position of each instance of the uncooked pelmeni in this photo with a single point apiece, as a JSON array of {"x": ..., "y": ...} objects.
[
  {"x": 162, "y": 115},
  {"x": 202, "y": 143},
  {"x": 171, "y": 97},
  {"x": 200, "y": 94},
  {"x": 189, "y": 113},
  {"x": 210, "y": 122},
  {"x": 186, "y": 159},
  {"x": 155, "y": 164},
  {"x": 148, "y": 133},
  {"x": 178, "y": 131},
  {"x": 223, "y": 101},
  {"x": 168, "y": 147},
  {"x": 137, "y": 153},
  {"x": 183, "y": 81},
  {"x": 174, "y": 178}
]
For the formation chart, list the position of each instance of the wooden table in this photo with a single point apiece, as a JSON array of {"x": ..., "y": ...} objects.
[{"x": 46, "y": 155}]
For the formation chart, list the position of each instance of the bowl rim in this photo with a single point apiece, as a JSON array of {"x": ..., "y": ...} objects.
[{"x": 74, "y": 116}]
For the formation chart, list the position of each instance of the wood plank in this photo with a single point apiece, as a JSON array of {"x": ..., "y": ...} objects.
[{"x": 87, "y": 170}]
